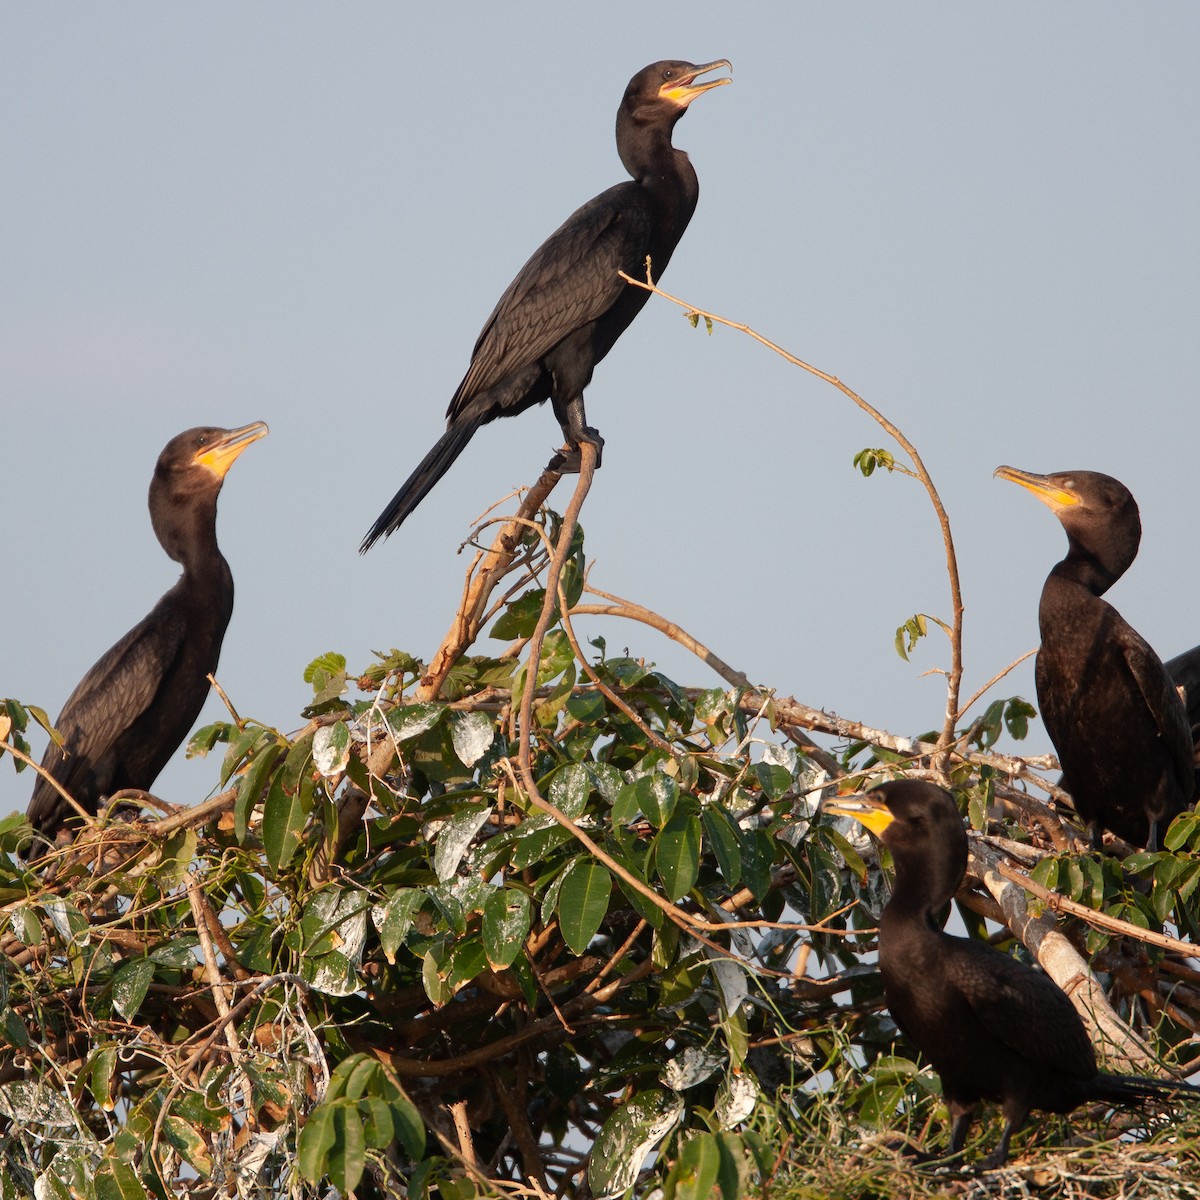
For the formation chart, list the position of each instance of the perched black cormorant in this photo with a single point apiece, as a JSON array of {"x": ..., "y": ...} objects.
[
  {"x": 131, "y": 711},
  {"x": 567, "y": 306},
  {"x": 993, "y": 1028},
  {"x": 1118, "y": 725}
]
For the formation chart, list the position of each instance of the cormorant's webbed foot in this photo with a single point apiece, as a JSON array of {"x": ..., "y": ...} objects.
[{"x": 566, "y": 461}]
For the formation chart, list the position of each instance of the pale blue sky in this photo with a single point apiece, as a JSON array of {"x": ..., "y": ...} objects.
[{"x": 984, "y": 218}]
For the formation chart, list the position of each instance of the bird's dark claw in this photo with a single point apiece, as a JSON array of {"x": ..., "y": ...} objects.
[{"x": 567, "y": 460}]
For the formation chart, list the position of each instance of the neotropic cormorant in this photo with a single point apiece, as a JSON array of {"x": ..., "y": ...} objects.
[
  {"x": 567, "y": 306},
  {"x": 1117, "y": 723},
  {"x": 131, "y": 711},
  {"x": 994, "y": 1028}
]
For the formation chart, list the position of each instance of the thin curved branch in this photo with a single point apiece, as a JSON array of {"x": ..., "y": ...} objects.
[{"x": 954, "y": 676}]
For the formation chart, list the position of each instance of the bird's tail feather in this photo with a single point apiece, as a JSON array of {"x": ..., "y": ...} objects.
[
  {"x": 1126, "y": 1088},
  {"x": 431, "y": 468}
]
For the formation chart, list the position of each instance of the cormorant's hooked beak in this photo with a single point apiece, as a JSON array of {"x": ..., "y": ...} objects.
[
  {"x": 872, "y": 814},
  {"x": 218, "y": 456},
  {"x": 1045, "y": 487},
  {"x": 681, "y": 90}
]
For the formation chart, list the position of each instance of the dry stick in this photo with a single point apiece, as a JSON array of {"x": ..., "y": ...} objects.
[
  {"x": 462, "y": 1130},
  {"x": 954, "y": 677},
  {"x": 587, "y": 468},
  {"x": 491, "y": 570},
  {"x": 201, "y": 915},
  {"x": 619, "y": 607},
  {"x": 601, "y": 686},
  {"x": 1060, "y": 960},
  {"x": 991, "y": 683},
  {"x": 58, "y": 787},
  {"x": 1099, "y": 920},
  {"x": 788, "y": 710},
  {"x": 233, "y": 712}
]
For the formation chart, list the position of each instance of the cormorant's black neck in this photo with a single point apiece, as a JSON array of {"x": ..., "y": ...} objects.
[
  {"x": 1097, "y": 560},
  {"x": 927, "y": 877},
  {"x": 1102, "y": 545},
  {"x": 185, "y": 522},
  {"x": 644, "y": 144}
]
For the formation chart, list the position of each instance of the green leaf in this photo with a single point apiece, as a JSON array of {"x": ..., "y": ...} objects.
[
  {"x": 412, "y": 720},
  {"x": 1046, "y": 873},
  {"x": 582, "y": 902},
  {"x": 868, "y": 459},
  {"x": 190, "y": 1145},
  {"x": 394, "y": 919},
  {"x": 130, "y": 985},
  {"x": 203, "y": 740},
  {"x": 347, "y": 1159},
  {"x": 325, "y": 664},
  {"x": 725, "y": 839},
  {"x": 455, "y": 837},
  {"x": 315, "y": 1142},
  {"x": 1016, "y": 717},
  {"x": 695, "y": 1171},
  {"x": 908, "y": 634},
  {"x": 472, "y": 734},
  {"x": 331, "y": 749},
  {"x": 734, "y": 1173},
  {"x": 117, "y": 1180},
  {"x": 378, "y": 1127},
  {"x": 284, "y": 817},
  {"x": 99, "y": 1075},
  {"x": 520, "y": 618},
  {"x": 570, "y": 787},
  {"x": 677, "y": 854},
  {"x": 240, "y": 745},
  {"x": 506, "y": 921},
  {"x": 251, "y": 786},
  {"x": 436, "y": 987},
  {"x": 658, "y": 794},
  {"x": 409, "y": 1126},
  {"x": 627, "y": 1137}
]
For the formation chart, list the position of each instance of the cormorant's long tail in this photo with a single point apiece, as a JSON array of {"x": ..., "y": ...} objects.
[
  {"x": 1129, "y": 1089},
  {"x": 432, "y": 467}
]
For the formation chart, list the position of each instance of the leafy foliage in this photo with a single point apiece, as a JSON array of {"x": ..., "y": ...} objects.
[{"x": 452, "y": 988}]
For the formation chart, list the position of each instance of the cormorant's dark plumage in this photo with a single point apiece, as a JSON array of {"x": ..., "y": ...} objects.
[
  {"x": 1118, "y": 725},
  {"x": 131, "y": 711},
  {"x": 993, "y": 1028},
  {"x": 567, "y": 306}
]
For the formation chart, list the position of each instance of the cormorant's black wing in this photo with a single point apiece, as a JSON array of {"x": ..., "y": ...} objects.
[
  {"x": 1164, "y": 702},
  {"x": 1022, "y": 1008},
  {"x": 108, "y": 700},
  {"x": 570, "y": 280}
]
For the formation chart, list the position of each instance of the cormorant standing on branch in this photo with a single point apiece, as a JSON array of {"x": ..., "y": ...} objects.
[
  {"x": 131, "y": 711},
  {"x": 1118, "y": 725},
  {"x": 567, "y": 306},
  {"x": 993, "y": 1028}
]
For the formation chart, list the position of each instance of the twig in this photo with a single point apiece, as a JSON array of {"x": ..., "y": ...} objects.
[
  {"x": 618, "y": 607},
  {"x": 233, "y": 712},
  {"x": 991, "y": 683},
  {"x": 1098, "y": 920},
  {"x": 587, "y": 468},
  {"x": 954, "y": 676},
  {"x": 494, "y": 565}
]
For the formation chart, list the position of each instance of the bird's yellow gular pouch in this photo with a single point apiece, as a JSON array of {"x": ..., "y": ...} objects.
[
  {"x": 684, "y": 90},
  {"x": 1042, "y": 486},
  {"x": 222, "y": 453},
  {"x": 872, "y": 814}
]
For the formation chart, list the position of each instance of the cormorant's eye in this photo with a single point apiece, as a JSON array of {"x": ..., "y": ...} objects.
[{"x": 668, "y": 74}]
